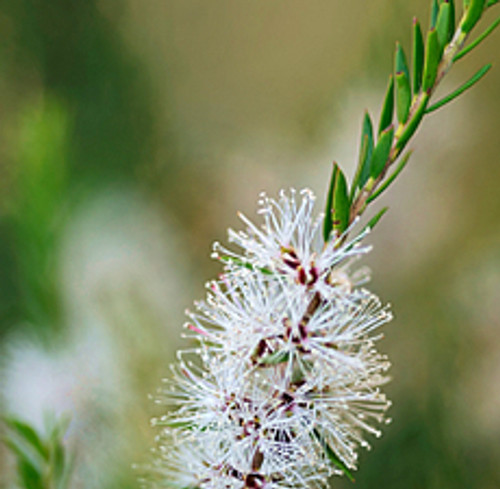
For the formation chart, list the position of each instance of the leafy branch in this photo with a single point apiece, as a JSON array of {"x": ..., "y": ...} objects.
[{"x": 405, "y": 104}]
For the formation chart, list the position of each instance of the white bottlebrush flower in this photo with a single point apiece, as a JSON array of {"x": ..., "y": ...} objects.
[
  {"x": 285, "y": 381},
  {"x": 290, "y": 242}
]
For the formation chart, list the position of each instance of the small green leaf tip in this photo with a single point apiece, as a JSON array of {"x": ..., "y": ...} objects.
[
  {"x": 400, "y": 62},
  {"x": 444, "y": 24},
  {"x": 418, "y": 56},
  {"x": 432, "y": 57},
  {"x": 375, "y": 219},
  {"x": 473, "y": 14},
  {"x": 337, "y": 205},
  {"x": 381, "y": 152},
  {"x": 387, "y": 112},
  {"x": 341, "y": 204},
  {"x": 365, "y": 155},
  {"x": 490, "y": 3},
  {"x": 434, "y": 13}
]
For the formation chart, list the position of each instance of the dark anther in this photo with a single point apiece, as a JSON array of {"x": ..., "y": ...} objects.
[{"x": 254, "y": 481}]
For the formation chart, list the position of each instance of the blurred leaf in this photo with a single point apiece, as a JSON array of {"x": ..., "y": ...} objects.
[
  {"x": 456, "y": 93},
  {"x": 387, "y": 112},
  {"x": 403, "y": 96},
  {"x": 432, "y": 57},
  {"x": 391, "y": 178},
  {"x": 30, "y": 477},
  {"x": 418, "y": 56},
  {"x": 473, "y": 14},
  {"x": 381, "y": 152},
  {"x": 27, "y": 433},
  {"x": 478, "y": 40},
  {"x": 42, "y": 462},
  {"x": 490, "y": 3}
]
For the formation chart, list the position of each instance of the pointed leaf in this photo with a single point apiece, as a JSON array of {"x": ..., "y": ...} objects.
[
  {"x": 328, "y": 220},
  {"x": 374, "y": 220},
  {"x": 477, "y": 41},
  {"x": 432, "y": 57},
  {"x": 390, "y": 179},
  {"x": 403, "y": 96},
  {"x": 400, "y": 62},
  {"x": 387, "y": 108},
  {"x": 443, "y": 24},
  {"x": 365, "y": 155},
  {"x": 381, "y": 152},
  {"x": 418, "y": 56},
  {"x": 452, "y": 19},
  {"x": 456, "y": 93},
  {"x": 490, "y": 3},
  {"x": 473, "y": 14},
  {"x": 434, "y": 13},
  {"x": 341, "y": 204}
]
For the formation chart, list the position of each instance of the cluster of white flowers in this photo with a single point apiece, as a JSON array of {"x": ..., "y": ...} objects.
[{"x": 284, "y": 381}]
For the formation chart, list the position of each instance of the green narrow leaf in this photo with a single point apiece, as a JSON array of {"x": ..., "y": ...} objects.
[
  {"x": 432, "y": 57},
  {"x": 490, "y": 3},
  {"x": 328, "y": 221},
  {"x": 375, "y": 219},
  {"x": 332, "y": 456},
  {"x": 28, "y": 434},
  {"x": 434, "y": 13},
  {"x": 443, "y": 24},
  {"x": 30, "y": 477},
  {"x": 473, "y": 14},
  {"x": 403, "y": 96},
  {"x": 456, "y": 93},
  {"x": 341, "y": 204},
  {"x": 390, "y": 179},
  {"x": 418, "y": 56},
  {"x": 381, "y": 152},
  {"x": 59, "y": 462},
  {"x": 400, "y": 62},
  {"x": 412, "y": 124},
  {"x": 387, "y": 107},
  {"x": 477, "y": 41},
  {"x": 365, "y": 155},
  {"x": 453, "y": 20}
]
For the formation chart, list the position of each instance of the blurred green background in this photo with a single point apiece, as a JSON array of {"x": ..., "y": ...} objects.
[{"x": 131, "y": 132}]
